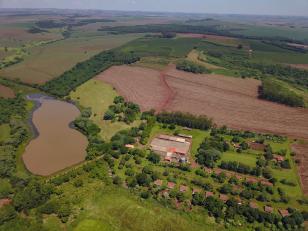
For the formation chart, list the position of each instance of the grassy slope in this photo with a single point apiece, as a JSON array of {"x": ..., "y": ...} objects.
[
  {"x": 4, "y": 132},
  {"x": 99, "y": 96},
  {"x": 115, "y": 209}
]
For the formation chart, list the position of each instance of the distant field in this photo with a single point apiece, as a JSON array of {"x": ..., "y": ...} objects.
[
  {"x": 272, "y": 31},
  {"x": 49, "y": 61},
  {"x": 172, "y": 48},
  {"x": 99, "y": 96}
]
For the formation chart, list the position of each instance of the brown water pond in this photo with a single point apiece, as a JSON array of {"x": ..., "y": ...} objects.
[{"x": 57, "y": 146}]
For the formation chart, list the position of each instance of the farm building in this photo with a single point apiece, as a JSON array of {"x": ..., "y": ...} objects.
[{"x": 171, "y": 148}]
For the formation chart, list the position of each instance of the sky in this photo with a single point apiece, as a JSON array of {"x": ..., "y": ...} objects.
[{"x": 263, "y": 7}]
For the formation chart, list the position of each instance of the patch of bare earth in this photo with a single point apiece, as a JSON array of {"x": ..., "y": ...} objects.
[
  {"x": 6, "y": 92},
  {"x": 143, "y": 86},
  {"x": 229, "y": 101},
  {"x": 300, "y": 66},
  {"x": 301, "y": 151}
]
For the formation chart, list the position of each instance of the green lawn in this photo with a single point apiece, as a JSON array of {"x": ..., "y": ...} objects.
[
  {"x": 99, "y": 96},
  {"x": 244, "y": 158},
  {"x": 4, "y": 132}
]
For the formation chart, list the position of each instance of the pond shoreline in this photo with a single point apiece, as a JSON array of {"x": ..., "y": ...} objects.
[{"x": 62, "y": 153}]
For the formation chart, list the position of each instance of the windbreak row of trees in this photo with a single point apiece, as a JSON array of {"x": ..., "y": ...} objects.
[
  {"x": 275, "y": 91},
  {"x": 185, "y": 120},
  {"x": 84, "y": 71}
]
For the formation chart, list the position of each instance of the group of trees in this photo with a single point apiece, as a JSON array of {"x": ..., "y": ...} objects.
[
  {"x": 240, "y": 168},
  {"x": 122, "y": 111},
  {"x": 210, "y": 151},
  {"x": 84, "y": 71},
  {"x": 189, "y": 66},
  {"x": 232, "y": 209},
  {"x": 185, "y": 120},
  {"x": 276, "y": 91},
  {"x": 10, "y": 107}
]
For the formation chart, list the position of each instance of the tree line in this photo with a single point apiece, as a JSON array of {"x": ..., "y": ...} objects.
[{"x": 185, "y": 120}]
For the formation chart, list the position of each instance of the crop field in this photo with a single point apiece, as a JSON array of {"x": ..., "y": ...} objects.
[
  {"x": 6, "y": 92},
  {"x": 171, "y": 48},
  {"x": 129, "y": 82},
  {"x": 301, "y": 154},
  {"x": 229, "y": 101},
  {"x": 99, "y": 96},
  {"x": 49, "y": 61}
]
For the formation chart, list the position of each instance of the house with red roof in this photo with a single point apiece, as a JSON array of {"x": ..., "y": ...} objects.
[
  {"x": 268, "y": 209},
  {"x": 171, "y": 185}
]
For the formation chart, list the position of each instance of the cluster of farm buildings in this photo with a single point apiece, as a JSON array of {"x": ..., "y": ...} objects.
[{"x": 172, "y": 148}]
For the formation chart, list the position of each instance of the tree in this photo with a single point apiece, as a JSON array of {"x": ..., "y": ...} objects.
[
  {"x": 117, "y": 180},
  {"x": 7, "y": 213},
  {"x": 154, "y": 158},
  {"x": 208, "y": 157},
  {"x": 109, "y": 115},
  {"x": 143, "y": 179},
  {"x": 33, "y": 195}
]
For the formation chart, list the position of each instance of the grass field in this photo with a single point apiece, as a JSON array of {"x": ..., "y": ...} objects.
[
  {"x": 99, "y": 96},
  {"x": 244, "y": 158},
  {"x": 4, "y": 132},
  {"x": 272, "y": 31},
  {"x": 49, "y": 61},
  {"x": 115, "y": 209},
  {"x": 172, "y": 48}
]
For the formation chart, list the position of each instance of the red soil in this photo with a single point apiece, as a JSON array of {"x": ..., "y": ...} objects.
[
  {"x": 229, "y": 101},
  {"x": 300, "y": 66},
  {"x": 6, "y": 92},
  {"x": 143, "y": 86},
  {"x": 301, "y": 151}
]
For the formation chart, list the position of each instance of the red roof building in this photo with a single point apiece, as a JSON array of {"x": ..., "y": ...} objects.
[
  {"x": 171, "y": 185},
  {"x": 268, "y": 209},
  {"x": 209, "y": 194},
  {"x": 223, "y": 197},
  {"x": 158, "y": 182},
  {"x": 253, "y": 205},
  {"x": 278, "y": 158},
  {"x": 283, "y": 212}
]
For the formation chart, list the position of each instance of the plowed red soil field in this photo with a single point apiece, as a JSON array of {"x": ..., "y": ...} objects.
[
  {"x": 6, "y": 92},
  {"x": 302, "y": 155},
  {"x": 229, "y": 101}
]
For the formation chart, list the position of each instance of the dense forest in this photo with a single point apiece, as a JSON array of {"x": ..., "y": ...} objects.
[{"x": 84, "y": 71}]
